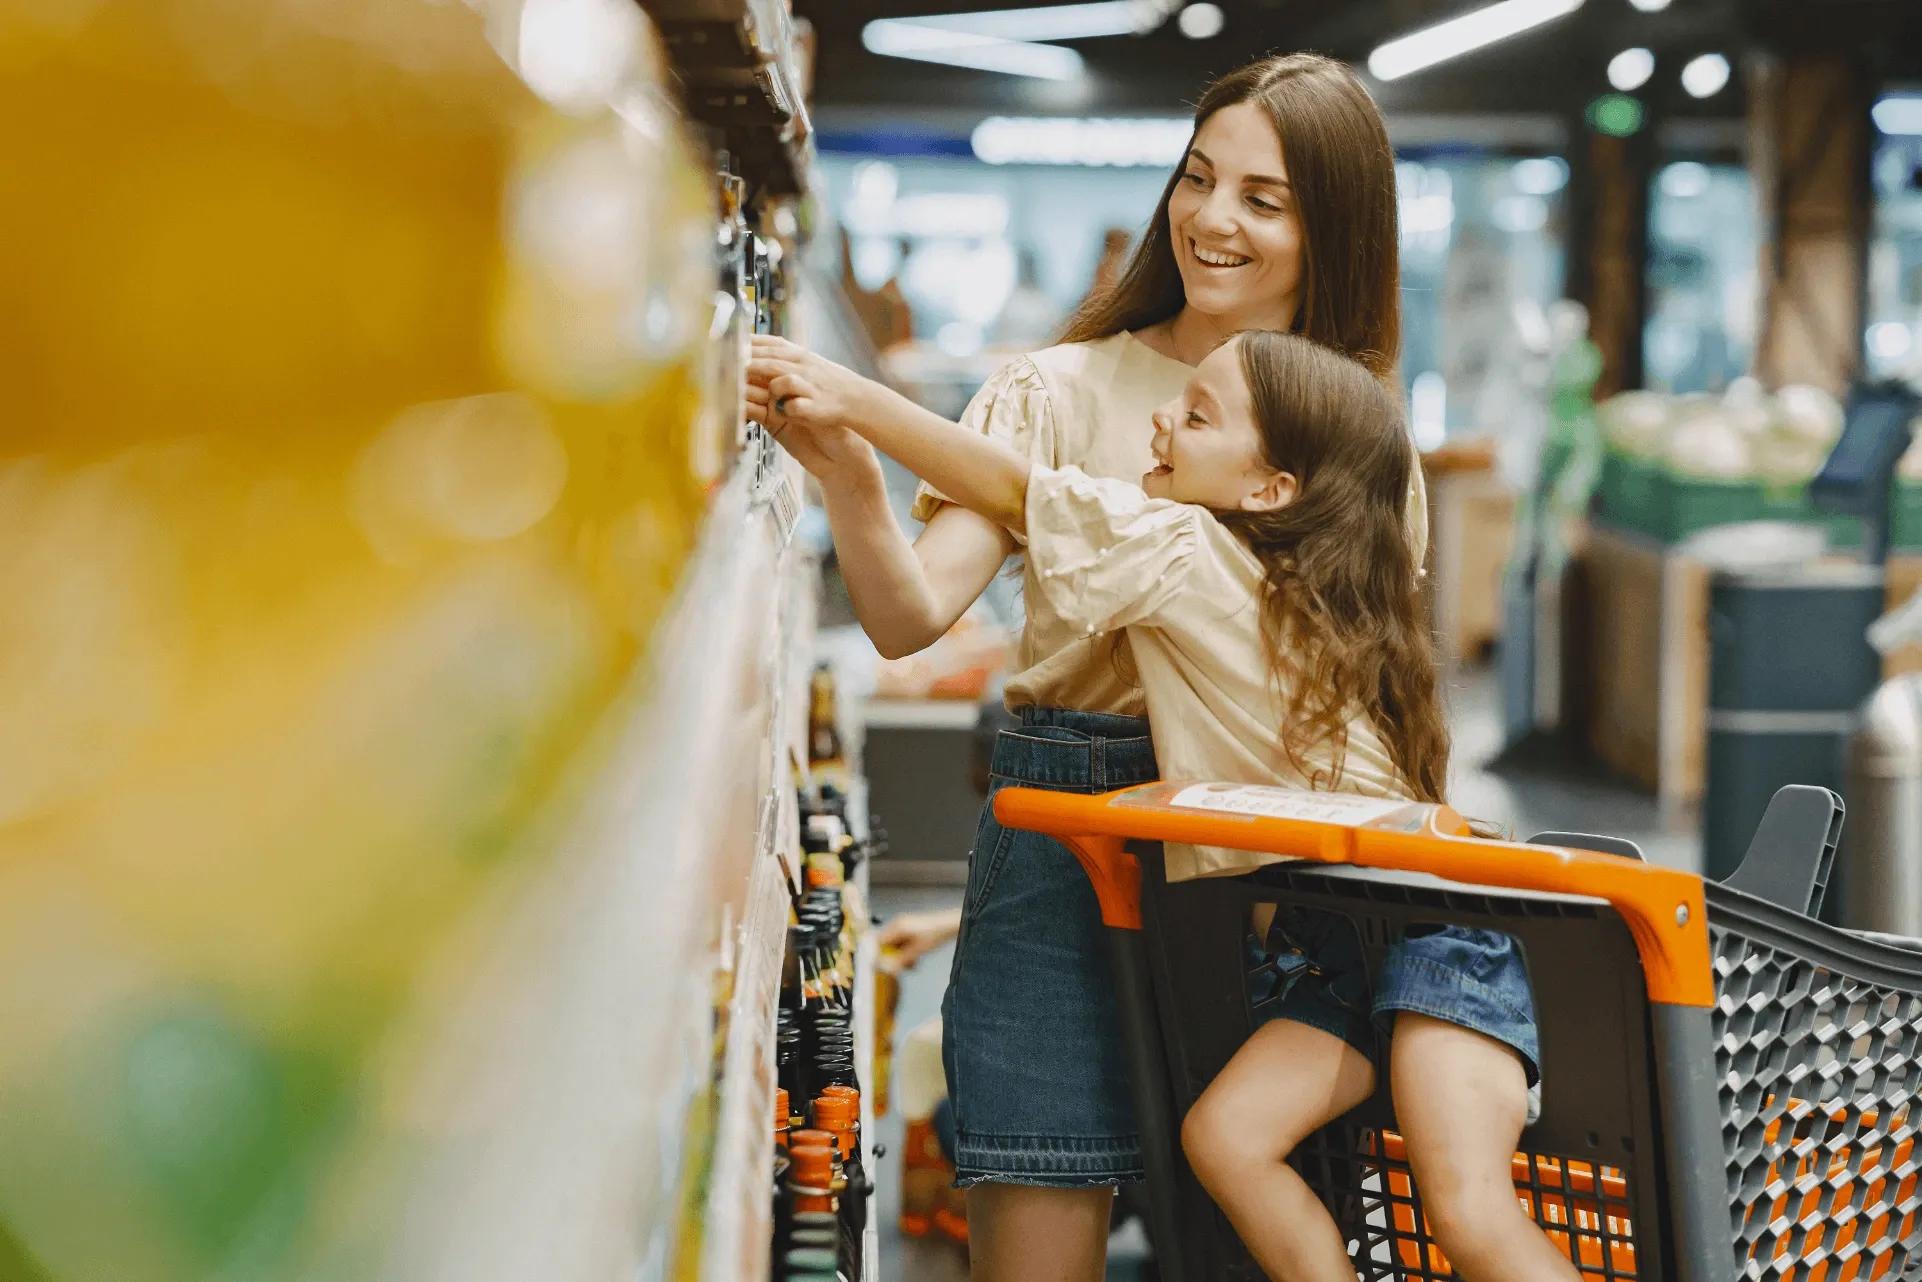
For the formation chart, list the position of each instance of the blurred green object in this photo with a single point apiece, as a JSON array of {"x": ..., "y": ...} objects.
[
  {"x": 1615, "y": 114},
  {"x": 1642, "y": 496},
  {"x": 15, "y": 1264}
]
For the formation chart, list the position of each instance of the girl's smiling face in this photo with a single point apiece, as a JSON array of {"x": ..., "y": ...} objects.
[
  {"x": 1232, "y": 217},
  {"x": 1208, "y": 447}
]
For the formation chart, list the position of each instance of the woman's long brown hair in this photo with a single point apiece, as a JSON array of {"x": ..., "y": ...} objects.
[
  {"x": 1342, "y": 171},
  {"x": 1340, "y": 605}
]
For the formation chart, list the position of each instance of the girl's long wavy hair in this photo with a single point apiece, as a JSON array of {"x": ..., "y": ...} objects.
[
  {"x": 1342, "y": 171},
  {"x": 1340, "y": 604}
]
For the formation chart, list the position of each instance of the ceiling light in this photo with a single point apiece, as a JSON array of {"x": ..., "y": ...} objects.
[
  {"x": 1410, "y": 53},
  {"x": 1540, "y": 175},
  {"x": 1685, "y": 180},
  {"x": 1705, "y": 76},
  {"x": 1630, "y": 69},
  {"x": 1201, "y": 21},
  {"x": 1649, "y": 6},
  {"x": 895, "y": 38},
  {"x": 1052, "y": 22},
  {"x": 1890, "y": 340},
  {"x": 1121, "y": 142},
  {"x": 1899, "y": 114}
]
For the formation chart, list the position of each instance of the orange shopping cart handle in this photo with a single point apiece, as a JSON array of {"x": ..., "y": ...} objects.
[{"x": 1665, "y": 909}]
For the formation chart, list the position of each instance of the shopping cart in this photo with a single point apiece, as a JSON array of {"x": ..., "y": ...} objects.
[{"x": 1731, "y": 1087}]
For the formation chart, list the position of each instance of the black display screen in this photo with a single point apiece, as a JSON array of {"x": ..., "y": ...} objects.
[{"x": 1875, "y": 435}]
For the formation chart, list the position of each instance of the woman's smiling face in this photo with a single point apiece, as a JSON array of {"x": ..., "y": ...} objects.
[{"x": 1237, "y": 236}]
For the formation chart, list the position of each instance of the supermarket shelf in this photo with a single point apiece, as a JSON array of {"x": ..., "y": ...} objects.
[
  {"x": 594, "y": 973},
  {"x": 740, "y": 71},
  {"x": 737, "y": 1219}
]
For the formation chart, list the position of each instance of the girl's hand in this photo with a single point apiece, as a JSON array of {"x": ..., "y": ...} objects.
[
  {"x": 832, "y": 455},
  {"x": 789, "y": 386}
]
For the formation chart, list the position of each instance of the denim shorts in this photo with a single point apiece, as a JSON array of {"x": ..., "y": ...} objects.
[
  {"x": 1311, "y": 970},
  {"x": 1032, "y": 1042}
]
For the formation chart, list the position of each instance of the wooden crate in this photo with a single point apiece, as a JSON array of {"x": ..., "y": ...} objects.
[
  {"x": 1473, "y": 526},
  {"x": 1471, "y": 523}
]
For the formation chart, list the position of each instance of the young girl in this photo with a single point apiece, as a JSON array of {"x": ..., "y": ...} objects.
[{"x": 1261, "y": 578}]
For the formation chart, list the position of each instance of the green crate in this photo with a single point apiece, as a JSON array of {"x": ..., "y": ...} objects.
[
  {"x": 1691, "y": 504},
  {"x": 1643, "y": 496},
  {"x": 1905, "y": 522},
  {"x": 1905, "y": 516},
  {"x": 1626, "y": 495}
]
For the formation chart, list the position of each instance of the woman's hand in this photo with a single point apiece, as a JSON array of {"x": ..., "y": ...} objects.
[{"x": 789, "y": 386}]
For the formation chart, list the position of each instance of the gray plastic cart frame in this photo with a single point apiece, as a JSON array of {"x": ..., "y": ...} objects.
[{"x": 1790, "y": 1067}]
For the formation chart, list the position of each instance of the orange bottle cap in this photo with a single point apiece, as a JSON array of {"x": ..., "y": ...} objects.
[
  {"x": 837, "y": 1114},
  {"x": 781, "y": 1113},
  {"x": 815, "y": 1138},
  {"x": 811, "y": 1165}
]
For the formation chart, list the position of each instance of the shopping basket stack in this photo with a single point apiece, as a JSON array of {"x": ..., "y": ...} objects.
[{"x": 1731, "y": 1087}]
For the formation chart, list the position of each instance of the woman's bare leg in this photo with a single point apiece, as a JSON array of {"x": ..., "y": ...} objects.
[{"x": 1018, "y": 1233}]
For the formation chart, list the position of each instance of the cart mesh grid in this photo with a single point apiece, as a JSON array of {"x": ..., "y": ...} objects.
[
  {"x": 1363, "y": 1174},
  {"x": 1819, "y": 1076}
]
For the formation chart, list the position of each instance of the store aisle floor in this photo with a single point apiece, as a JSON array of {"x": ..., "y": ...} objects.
[{"x": 1527, "y": 802}]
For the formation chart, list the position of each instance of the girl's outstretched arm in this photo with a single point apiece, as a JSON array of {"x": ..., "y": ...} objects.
[{"x": 790, "y": 389}]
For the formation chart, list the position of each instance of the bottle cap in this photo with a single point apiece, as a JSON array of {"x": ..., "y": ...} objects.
[
  {"x": 810, "y": 1166},
  {"x": 836, "y": 1114},
  {"x": 781, "y": 1113},
  {"x": 811, "y": 1258},
  {"x": 811, "y": 1138}
]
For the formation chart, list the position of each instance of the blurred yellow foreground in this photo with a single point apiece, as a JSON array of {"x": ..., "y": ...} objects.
[{"x": 349, "y": 397}]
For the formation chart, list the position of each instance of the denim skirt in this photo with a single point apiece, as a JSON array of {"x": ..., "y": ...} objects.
[{"x": 1032, "y": 1046}]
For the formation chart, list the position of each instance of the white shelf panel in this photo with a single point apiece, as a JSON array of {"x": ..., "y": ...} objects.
[
  {"x": 738, "y": 1218},
  {"x": 548, "y": 1101}
]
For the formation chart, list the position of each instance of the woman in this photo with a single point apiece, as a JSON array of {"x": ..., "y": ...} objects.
[{"x": 1281, "y": 216}]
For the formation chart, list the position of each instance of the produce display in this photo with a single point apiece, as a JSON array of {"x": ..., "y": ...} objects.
[{"x": 1676, "y": 465}]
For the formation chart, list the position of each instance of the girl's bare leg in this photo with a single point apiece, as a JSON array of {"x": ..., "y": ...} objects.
[
  {"x": 1461, "y": 1099},
  {"x": 1287, "y": 1082}
]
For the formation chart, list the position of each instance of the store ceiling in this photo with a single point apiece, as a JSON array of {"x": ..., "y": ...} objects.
[{"x": 1554, "y": 69}]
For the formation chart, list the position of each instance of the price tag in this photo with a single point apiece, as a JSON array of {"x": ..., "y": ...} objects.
[
  {"x": 775, "y": 488},
  {"x": 1342, "y": 808}
]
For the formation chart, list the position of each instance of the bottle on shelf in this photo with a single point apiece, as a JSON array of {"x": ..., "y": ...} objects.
[
  {"x": 837, "y": 1110},
  {"x": 811, "y": 1212},
  {"x": 841, "y": 1224},
  {"x": 825, "y": 754}
]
